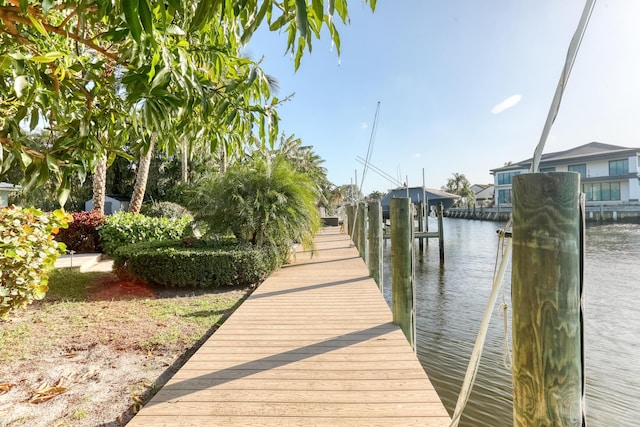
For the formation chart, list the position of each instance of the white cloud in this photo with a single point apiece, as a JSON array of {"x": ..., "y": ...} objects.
[
  {"x": 363, "y": 125},
  {"x": 506, "y": 104},
  {"x": 416, "y": 156}
]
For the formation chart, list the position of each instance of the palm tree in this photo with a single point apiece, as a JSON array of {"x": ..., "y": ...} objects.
[
  {"x": 263, "y": 201},
  {"x": 460, "y": 185}
]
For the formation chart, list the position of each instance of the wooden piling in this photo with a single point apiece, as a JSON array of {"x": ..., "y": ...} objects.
[
  {"x": 361, "y": 228},
  {"x": 350, "y": 218},
  {"x": 421, "y": 221},
  {"x": 441, "y": 232},
  {"x": 400, "y": 213},
  {"x": 546, "y": 297},
  {"x": 375, "y": 243}
]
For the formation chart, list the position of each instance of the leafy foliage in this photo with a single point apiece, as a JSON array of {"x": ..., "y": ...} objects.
[
  {"x": 196, "y": 263},
  {"x": 164, "y": 209},
  {"x": 460, "y": 185},
  {"x": 101, "y": 75},
  {"x": 27, "y": 254},
  {"x": 81, "y": 236},
  {"x": 123, "y": 228},
  {"x": 262, "y": 201}
]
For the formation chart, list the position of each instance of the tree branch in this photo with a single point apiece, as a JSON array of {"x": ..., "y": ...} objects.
[{"x": 12, "y": 15}]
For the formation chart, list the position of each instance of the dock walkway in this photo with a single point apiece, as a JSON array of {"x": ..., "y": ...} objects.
[{"x": 312, "y": 346}]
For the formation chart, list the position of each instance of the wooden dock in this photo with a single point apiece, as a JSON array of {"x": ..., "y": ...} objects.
[{"x": 312, "y": 346}]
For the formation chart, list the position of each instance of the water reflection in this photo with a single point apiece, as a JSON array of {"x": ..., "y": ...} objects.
[{"x": 451, "y": 300}]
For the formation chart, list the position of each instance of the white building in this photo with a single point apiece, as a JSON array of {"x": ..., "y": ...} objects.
[
  {"x": 609, "y": 174},
  {"x": 484, "y": 194},
  {"x": 5, "y": 190},
  {"x": 112, "y": 203}
]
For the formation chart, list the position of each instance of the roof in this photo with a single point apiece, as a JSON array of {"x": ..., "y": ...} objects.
[
  {"x": 9, "y": 186},
  {"x": 416, "y": 194},
  {"x": 481, "y": 186},
  {"x": 591, "y": 150},
  {"x": 119, "y": 197}
]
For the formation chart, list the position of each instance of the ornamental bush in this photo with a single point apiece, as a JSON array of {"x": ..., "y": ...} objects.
[
  {"x": 264, "y": 202},
  {"x": 124, "y": 228},
  {"x": 197, "y": 263},
  {"x": 164, "y": 209},
  {"x": 28, "y": 253},
  {"x": 82, "y": 234}
]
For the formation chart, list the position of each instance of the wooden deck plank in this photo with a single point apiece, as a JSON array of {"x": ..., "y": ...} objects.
[
  {"x": 281, "y": 421},
  {"x": 313, "y": 345}
]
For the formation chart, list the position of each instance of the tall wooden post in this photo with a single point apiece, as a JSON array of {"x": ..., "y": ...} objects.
[
  {"x": 441, "y": 231},
  {"x": 375, "y": 243},
  {"x": 350, "y": 219},
  {"x": 361, "y": 229},
  {"x": 421, "y": 220},
  {"x": 400, "y": 213},
  {"x": 546, "y": 297}
]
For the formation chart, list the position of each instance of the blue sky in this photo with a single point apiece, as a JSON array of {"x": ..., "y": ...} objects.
[{"x": 441, "y": 70}]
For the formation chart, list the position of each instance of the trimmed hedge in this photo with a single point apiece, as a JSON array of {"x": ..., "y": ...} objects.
[
  {"x": 82, "y": 234},
  {"x": 197, "y": 263},
  {"x": 124, "y": 228}
]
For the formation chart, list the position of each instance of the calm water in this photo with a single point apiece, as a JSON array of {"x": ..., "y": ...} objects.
[{"x": 451, "y": 301}]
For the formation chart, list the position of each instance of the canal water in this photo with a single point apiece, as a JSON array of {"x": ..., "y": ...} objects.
[{"x": 451, "y": 301}]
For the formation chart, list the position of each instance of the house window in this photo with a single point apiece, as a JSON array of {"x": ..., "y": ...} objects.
[
  {"x": 601, "y": 191},
  {"x": 504, "y": 196},
  {"x": 581, "y": 169},
  {"x": 504, "y": 178},
  {"x": 618, "y": 167},
  {"x": 548, "y": 169}
]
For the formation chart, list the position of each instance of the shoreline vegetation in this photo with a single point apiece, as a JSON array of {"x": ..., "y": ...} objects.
[{"x": 97, "y": 347}]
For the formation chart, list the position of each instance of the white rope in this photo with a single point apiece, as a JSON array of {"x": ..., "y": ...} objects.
[
  {"x": 474, "y": 362},
  {"x": 504, "y": 311},
  {"x": 572, "y": 52}
]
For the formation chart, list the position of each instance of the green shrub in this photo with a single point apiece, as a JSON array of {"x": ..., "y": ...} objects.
[
  {"x": 123, "y": 228},
  {"x": 27, "y": 254},
  {"x": 197, "y": 263},
  {"x": 82, "y": 234},
  {"x": 164, "y": 209},
  {"x": 263, "y": 201}
]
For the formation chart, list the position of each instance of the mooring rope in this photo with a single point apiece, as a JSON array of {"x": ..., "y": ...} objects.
[
  {"x": 474, "y": 361},
  {"x": 572, "y": 52}
]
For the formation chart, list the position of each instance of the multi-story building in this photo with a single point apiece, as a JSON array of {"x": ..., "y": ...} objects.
[{"x": 609, "y": 174}]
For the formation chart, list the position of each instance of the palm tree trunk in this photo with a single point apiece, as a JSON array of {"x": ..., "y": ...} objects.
[
  {"x": 140, "y": 185},
  {"x": 223, "y": 158},
  {"x": 185, "y": 161},
  {"x": 100, "y": 183}
]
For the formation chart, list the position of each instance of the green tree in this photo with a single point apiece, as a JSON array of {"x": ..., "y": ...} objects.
[
  {"x": 99, "y": 74},
  {"x": 375, "y": 195},
  {"x": 460, "y": 185},
  {"x": 263, "y": 201},
  {"x": 350, "y": 193}
]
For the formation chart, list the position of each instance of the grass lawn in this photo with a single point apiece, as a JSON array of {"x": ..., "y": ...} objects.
[{"x": 96, "y": 347}]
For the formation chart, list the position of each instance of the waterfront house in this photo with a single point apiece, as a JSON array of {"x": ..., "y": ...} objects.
[
  {"x": 609, "y": 174},
  {"x": 417, "y": 195},
  {"x": 484, "y": 194}
]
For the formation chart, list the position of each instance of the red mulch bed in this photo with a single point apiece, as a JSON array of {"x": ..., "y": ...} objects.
[{"x": 113, "y": 288}]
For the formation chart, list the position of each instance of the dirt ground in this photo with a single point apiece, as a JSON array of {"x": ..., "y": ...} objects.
[{"x": 86, "y": 364}]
